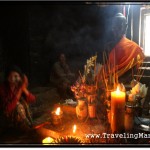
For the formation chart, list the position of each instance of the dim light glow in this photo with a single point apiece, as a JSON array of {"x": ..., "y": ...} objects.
[
  {"x": 58, "y": 111},
  {"x": 147, "y": 35},
  {"x": 145, "y": 126},
  {"x": 74, "y": 128},
  {"x": 47, "y": 140}
]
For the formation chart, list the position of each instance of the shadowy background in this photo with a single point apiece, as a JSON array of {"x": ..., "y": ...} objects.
[{"x": 32, "y": 34}]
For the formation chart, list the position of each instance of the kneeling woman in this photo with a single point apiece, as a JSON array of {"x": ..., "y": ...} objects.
[{"x": 14, "y": 99}]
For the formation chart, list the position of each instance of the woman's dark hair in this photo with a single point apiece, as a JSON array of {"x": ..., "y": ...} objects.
[{"x": 11, "y": 69}]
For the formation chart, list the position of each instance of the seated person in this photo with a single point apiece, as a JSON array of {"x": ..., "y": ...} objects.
[
  {"x": 62, "y": 77},
  {"x": 125, "y": 56},
  {"x": 14, "y": 100}
]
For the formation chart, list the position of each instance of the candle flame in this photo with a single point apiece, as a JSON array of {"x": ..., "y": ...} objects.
[
  {"x": 47, "y": 140},
  {"x": 117, "y": 89},
  {"x": 58, "y": 111},
  {"x": 74, "y": 128}
]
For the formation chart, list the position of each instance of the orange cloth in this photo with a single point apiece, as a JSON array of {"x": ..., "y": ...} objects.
[{"x": 125, "y": 55}]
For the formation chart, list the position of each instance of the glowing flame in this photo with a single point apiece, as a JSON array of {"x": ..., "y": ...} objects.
[
  {"x": 58, "y": 111},
  {"x": 47, "y": 140},
  {"x": 117, "y": 89},
  {"x": 74, "y": 128}
]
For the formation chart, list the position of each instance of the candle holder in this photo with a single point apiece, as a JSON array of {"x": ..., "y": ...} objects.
[
  {"x": 92, "y": 110},
  {"x": 81, "y": 109},
  {"x": 129, "y": 116},
  {"x": 91, "y": 97},
  {"x": 57, "y": 119}
]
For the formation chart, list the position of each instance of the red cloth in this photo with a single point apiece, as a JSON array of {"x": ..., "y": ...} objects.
[
  {"x": 8, "y": 99},
  {"x": 125, "y": 55}
]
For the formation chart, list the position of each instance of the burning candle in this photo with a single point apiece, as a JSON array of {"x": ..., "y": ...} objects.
[
  {"x": 57, "y": 111},
  {"x": 117, "y": 110},
  {"x": 74, "y": 129},
  {"x": 47, "y": 141},
  {"x": 57, "y": 116}
]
